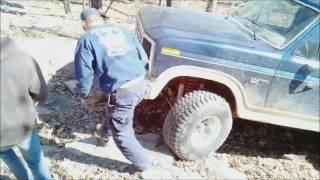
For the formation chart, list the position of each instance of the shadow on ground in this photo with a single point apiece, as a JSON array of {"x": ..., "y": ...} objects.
[{"x": 82, "y": 157}]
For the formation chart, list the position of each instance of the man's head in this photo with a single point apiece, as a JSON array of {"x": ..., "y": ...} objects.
[{"x": 90, "y": 17}]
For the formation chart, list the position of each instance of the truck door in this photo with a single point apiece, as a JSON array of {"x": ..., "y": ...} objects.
[{"x": 295, "y": 87}]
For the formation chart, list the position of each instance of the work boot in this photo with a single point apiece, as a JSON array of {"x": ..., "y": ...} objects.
[{"x": 103, "y": 136}]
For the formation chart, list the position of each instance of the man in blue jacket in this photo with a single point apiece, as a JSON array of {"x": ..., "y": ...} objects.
[{"x": 117, "y": 59}]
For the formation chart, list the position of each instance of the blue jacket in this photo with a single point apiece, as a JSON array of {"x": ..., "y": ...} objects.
[{"x": 111, "y": 53}]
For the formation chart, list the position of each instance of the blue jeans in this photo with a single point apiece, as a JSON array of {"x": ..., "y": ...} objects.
[
  {"x": 121, "y": 111},
  {"x": 35, "y": 167}
]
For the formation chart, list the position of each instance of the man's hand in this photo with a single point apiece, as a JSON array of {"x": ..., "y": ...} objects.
[{"x": 88, "y": 103}]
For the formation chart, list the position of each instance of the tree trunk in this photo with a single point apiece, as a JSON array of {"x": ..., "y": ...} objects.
[
  {"x": 97, "y": 4},
  {"x": 212, "y": 6},
  {"x": 67, "y": 7},
  {"x": 169, "y": 3},
  {"x": 215, "y": 6}
]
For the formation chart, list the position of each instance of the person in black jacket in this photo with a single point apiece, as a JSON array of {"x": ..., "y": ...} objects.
[{"x": 22, "y": 85}]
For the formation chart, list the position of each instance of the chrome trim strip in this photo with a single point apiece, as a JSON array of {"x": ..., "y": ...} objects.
[{"x": 199, "y": 60}]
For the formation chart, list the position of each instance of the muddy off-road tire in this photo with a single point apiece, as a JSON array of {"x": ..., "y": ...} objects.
[{"x": 198, "y": 124}]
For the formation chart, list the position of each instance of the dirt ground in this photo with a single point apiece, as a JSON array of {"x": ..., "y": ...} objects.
[{"x": 68, "y": 131}]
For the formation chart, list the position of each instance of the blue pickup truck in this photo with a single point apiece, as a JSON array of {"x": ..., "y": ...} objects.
[{"x": 261, "y": 63}]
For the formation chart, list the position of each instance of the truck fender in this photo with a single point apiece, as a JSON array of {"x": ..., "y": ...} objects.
[{"x": 157, "y": 84}]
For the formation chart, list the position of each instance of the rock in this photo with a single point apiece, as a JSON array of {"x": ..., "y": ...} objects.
[
  {"x": 294, "y": 157},
  {"x": 71, "y": 86},
  {"x": 92, "y": 140},
  {"x": 74, "y": 171},
  {"x": 59, "y": 104},
  {"x": 38, "y": 120},
  {"x": 229, "y": 173},
  {"x": 179, "y": 173},
  {"x": 288, "y": 156},
  {"x": 122, "y": 167},
  {"x": 81, "y": 135},
  {"x": 263, "y": 143},
  {"x": 47, "y": 150},
  {"x": 60, "y": 131},
  {"x": 156, "y": 173},
  {"x": 59, "y": 142},
  {"x": 212, "y": 162},
  {"x": 55, "y": 176},
  {"x": 98, "y": 126},
  {"x": 90, "y": 125},
  {"x": 218, "y": 169},
  {"x": 169, "y": 172}
]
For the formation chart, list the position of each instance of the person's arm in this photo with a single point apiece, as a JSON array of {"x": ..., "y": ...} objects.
[
  {"x": 38, "y": 88},
  {"x": 84, "y": 72},
  {"x": 142, "y": 54}
]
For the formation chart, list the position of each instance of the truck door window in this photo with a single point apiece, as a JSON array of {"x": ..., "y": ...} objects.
[{"x": 307, "y": 53}]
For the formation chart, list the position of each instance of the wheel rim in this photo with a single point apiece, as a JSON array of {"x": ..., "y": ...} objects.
[{"x": 205, "y": 132}]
